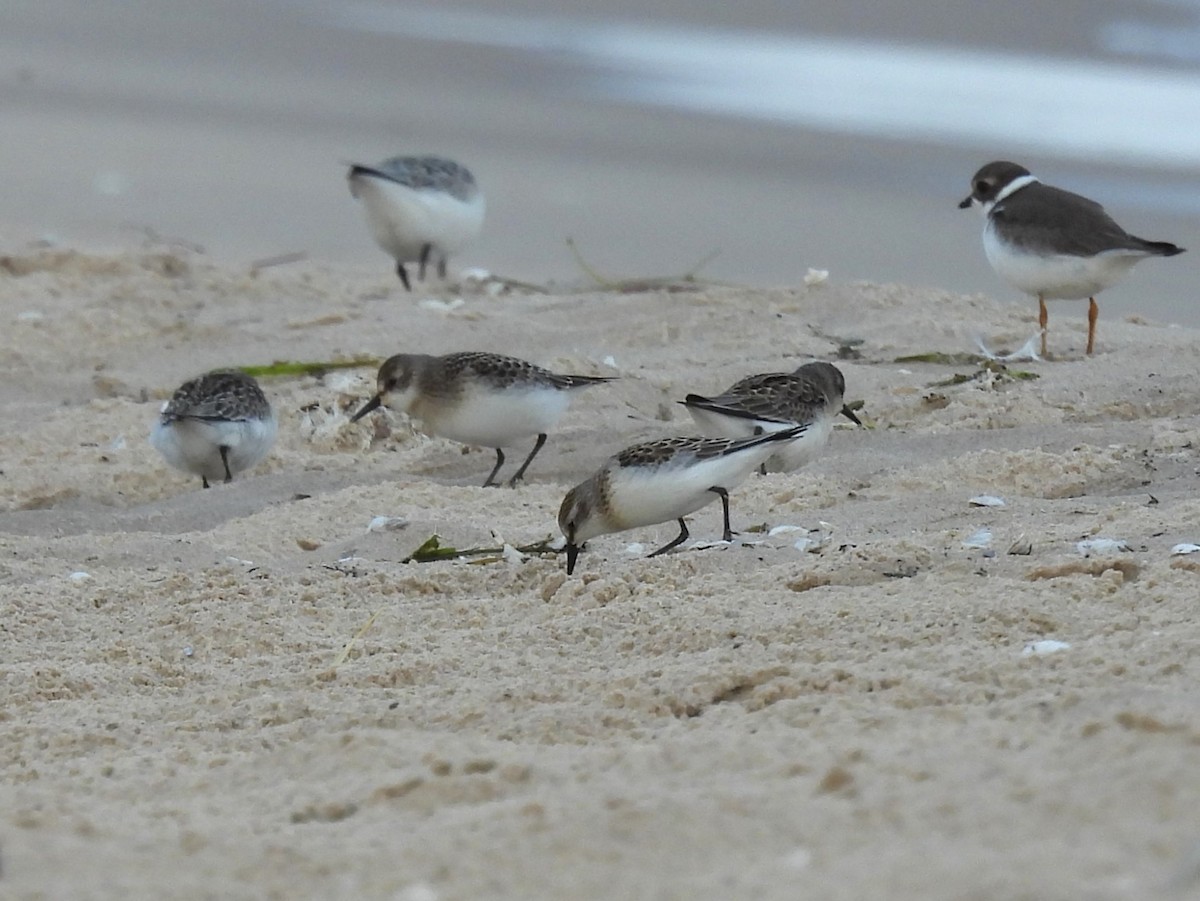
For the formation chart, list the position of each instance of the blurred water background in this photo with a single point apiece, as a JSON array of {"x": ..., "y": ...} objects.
[{"x": 837, "y": 135}]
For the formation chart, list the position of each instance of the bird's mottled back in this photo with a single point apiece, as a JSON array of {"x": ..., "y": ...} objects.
[
  {"x": 505, "y": 372},
  {"x": 431, "y": 173},
  {"x": 656, "y": 453},
  {"x": 223, "y": 395},
  {"x": 781, "y": 396}
]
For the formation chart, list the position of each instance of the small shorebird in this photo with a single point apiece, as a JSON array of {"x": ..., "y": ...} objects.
[
  {"x": 481, "y": 399},
  {"x": 659, "y": 481},
  {"x": 216, "y": 425},
  {"x": 1051, "y": 243},
  {"x": 811, "y": 395},
  {"x": 420, "y": 209}
]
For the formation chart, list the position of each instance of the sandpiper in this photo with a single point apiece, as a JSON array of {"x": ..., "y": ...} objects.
[
  {"x": 659, "y": 481},
  {"x": 420, "y": 209},
  {"x": 215, "y": 426},
  {"x": 812, "y": 395},
  {"x": 481, "y": 399}
]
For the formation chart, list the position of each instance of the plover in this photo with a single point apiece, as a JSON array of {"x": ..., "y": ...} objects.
[
  {"x": 659, "y": 481},
  {"x": 812, "y": 395},
  {"x": 215, "y": 426},
  {"x": 420, "y": 209},
  {"x": 481, "y": 399},
  {"x": 1051, "y": 243}
]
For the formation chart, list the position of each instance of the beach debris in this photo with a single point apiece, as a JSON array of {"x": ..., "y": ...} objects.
[
  {"x": 281, "y": 259},
  {"x": 513, "y": 555},
  {"x": 79, "y": 576},
  {"x": 317, "y": 369},
  {"x": 356, "y": 637},
  {"x": 847, "y": 348},
  {"x": 1021, "y": 547},
  {"x": 346, "y": 565},
  {"x": 979, "y": 539},
  {"x": 1181, "y": 549},
  {"x": 1045, "y": 646},
  {"x": 688, "y": 281},
  {"x": 486, "y": 283},
  {"x": 480, "y": 281},
  {"x": 816, "y": 277},
  {"x": 387, "y": 524},
  {"x": 703, "y": 545},
  {"x": 1090, "y": 546},
  {"x": 784, "y": 530},
  {"x": 432, "y": 550},
  {"x": 635, "y": 547},
  {"x": 441, "y": 306},
  {"x": 475, "y": 274},
  {"x": 990, "y": 371},
  {"x": 1027, "y": 351},
  {"x": 941, "y": 358},
  {"x": 986, "y": 500}
]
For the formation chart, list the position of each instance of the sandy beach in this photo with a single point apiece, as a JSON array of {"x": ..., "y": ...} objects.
[{"x": 246, "y": 692}]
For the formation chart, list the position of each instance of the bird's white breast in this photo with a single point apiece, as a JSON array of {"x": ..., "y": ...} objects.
[
  {"x": 488, "y": 417},
  {"x": 1057, "y": 276},
  {"x": 194, "y": 445},
  {"x": 787, "y": 457},
  {"x": 645, "y": 495},
  {"x": 403, "y": 220}
]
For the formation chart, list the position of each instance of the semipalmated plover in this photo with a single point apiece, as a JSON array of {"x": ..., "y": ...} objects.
[
  {"x": 420, "y": 209},
  {"x": 812, "y": 395},
  {"x": 659, "y": 481},
  {"x": 481, "y": 399},
  {"x": 1051, "y": 243},
  {"x": 216, "y": 425}
]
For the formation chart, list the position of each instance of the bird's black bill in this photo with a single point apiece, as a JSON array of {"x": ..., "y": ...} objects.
[
  {"x": 373, "y": 404},
  {"x": 572, "y": 556},
  {"x": 849, "y": 414},
  {"x": 966, "y": 203}
]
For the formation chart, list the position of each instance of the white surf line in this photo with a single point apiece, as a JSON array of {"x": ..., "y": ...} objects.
[{"x": 1003, "y": 103}]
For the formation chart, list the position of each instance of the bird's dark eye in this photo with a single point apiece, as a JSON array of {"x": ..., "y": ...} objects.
[{"x": 981, "y": 187}]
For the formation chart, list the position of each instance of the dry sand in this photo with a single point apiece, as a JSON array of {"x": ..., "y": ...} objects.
[{"x": 181, "y": 717}]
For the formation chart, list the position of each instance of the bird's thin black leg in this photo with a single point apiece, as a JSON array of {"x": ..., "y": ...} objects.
[
  {"x": 727, "y": 535},
  {"x": 403, "y": 273},
  {"x": 204, "y": 481},
  {"x": 442, "y": 268},
  {"x": 423, "y": 261},
  {"x": 490, "y": 483},
  {"x": 225, "y": 459},
  {"x": 541, "y": 439},
  {"x": 679, "y": 539}
]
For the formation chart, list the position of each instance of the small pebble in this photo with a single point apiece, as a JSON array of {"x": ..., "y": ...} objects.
[
  {"x": 986, "y": 500},
  {"x": 1045, "y": 646},
  {"x": 1101, "y": 546},
  {"x": 980, "y": 539}
]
